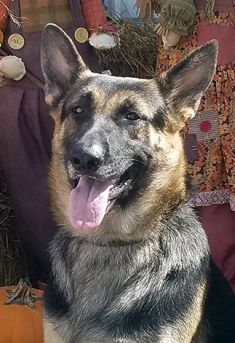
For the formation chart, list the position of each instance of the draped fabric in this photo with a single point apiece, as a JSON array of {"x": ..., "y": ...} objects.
[{"x": 26, "y": 131}]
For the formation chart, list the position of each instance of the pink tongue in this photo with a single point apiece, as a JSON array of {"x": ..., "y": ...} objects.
[{"x": 88, "y": 203}]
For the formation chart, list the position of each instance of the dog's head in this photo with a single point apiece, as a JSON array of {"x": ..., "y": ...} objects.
[{"x": 117, "y": 139}]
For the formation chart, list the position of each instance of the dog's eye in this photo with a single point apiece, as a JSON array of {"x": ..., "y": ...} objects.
[
  {"x": 132, "y": 116},
  {"x": 77, "y": 110}
]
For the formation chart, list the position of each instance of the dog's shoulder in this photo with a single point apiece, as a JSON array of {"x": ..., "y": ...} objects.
[{"x": 184, "y": 235}]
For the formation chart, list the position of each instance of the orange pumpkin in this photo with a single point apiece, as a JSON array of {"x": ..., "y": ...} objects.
[{"x": 21, "y": 314}]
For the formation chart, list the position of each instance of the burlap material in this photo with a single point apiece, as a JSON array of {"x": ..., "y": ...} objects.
[
  {"x": 36, "y": 13},
  {"x": 178, "y": 16},
  {"x": 175, "y": 15}
]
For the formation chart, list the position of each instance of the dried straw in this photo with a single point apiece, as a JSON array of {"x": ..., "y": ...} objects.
[
  {"x": 136, "y": 54},
  {"x": 13, "y": 259}
]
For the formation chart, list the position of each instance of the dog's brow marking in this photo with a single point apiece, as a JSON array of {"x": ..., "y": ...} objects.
[
  {"x": 154, "y": 136},
  {"x": 100, "y": 97},
  {"x": 114, "y": 103}
]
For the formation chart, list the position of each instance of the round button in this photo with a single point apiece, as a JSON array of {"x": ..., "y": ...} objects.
[
  {"x": 16, "y": 41},
  {"x": 81, "y": 35},
  {"x": 1, "y": 37},
  {"x": 205, "y": 126}
]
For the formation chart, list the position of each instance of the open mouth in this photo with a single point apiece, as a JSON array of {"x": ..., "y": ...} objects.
[
  {"x": 122, "y": 185},
  {"x": 90, "y": 199}
]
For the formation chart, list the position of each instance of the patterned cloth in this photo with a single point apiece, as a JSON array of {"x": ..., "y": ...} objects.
[
  {"x": 213, "y": 169},
  {"x": 36, "y": 13}
]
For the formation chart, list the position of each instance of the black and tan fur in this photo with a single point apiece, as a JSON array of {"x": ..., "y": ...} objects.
[{"x": 144, "y": 275}]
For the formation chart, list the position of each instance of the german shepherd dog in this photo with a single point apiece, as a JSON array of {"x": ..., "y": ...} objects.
[{"x": 131, "y": 262}]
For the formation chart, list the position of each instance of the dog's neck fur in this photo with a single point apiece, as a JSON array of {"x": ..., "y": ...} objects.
[{"x": 80, "y": 266}]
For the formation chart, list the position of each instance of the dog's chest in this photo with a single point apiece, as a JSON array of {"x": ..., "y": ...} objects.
[
  {"x": 95, "y": 284},
  {"x": 95, "y": 281},
  {"x": 116, "y": 291},
  {"x": 93, "y": 278}
]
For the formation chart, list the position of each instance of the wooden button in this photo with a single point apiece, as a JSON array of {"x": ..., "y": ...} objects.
[
  {"x": 81, "y": 35},
  {"x": 16, "y": 41}
]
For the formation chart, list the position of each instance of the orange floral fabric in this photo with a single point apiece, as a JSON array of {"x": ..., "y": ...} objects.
[{"x": 213, "y": 172}]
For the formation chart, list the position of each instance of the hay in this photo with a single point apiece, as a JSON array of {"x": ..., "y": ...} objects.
[
  {"x": 13, "y": 258},
  {"x": 136, "y": 54}
]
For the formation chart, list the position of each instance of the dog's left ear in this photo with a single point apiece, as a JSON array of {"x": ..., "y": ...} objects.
[
  {"x": 61, "y": 64},
  {"x": 183, "y": 85}
]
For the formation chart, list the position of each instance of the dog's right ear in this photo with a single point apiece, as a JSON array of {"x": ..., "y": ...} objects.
[
  {"x": 60, "y": 62},
  {"x": 183, "y": 85}
]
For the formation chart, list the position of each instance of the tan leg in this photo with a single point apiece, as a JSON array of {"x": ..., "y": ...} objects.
[
  {"x": 190, "y": 329},
  {"x": 50, "y": 335}
]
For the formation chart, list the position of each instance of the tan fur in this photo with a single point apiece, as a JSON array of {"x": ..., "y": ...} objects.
[
  {"x": 50, "y": 334},
  {"x": 58, "y": 181},
  {"x": 188, "y": 330},
  {"x": 191, "y": 328}
]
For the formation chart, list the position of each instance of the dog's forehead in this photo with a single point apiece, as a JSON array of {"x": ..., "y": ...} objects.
[
  {"x": 111, "y": 92},
  {"x": 114, "y": 83},
  {"x": 103, "y": 81}
]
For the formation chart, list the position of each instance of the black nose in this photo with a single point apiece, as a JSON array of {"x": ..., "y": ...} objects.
[{"x": 86, "y": 159}]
